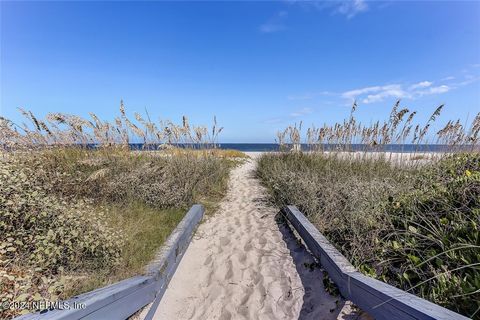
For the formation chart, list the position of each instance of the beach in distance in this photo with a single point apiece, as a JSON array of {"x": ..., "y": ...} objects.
[{"x": 269, "y": 147}]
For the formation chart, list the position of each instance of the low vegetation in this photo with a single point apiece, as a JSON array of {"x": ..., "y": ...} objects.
[
  {"x": 413, "y": 223},
  {"x": 44, "y": 236},
  {"x": 80, "y": 210}
]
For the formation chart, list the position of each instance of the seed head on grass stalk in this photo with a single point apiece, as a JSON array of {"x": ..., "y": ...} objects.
[{"x": 68, "y": 130}]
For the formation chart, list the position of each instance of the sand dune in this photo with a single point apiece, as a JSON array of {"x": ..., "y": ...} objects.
[{"x": 242, "y": 264}]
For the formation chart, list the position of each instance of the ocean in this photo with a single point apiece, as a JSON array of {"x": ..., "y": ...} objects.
[{"x": 266, "y": 147}]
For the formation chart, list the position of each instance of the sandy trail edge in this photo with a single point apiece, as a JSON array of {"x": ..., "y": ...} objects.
[{"x": 242, "y": 264}]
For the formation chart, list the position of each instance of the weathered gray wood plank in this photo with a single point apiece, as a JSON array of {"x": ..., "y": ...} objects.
[
  {"x": 164, "y": 266},
  {"x": 379, "y": 299},
  {"x": 329, "y": 257},
  {"x": 124, "y": 298}
]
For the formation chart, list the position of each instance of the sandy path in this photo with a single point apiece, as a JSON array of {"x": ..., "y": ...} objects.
[{"x": 241, "y": 264}]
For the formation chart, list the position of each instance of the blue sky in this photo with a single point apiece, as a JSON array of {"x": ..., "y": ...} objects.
[{"x": 257, "y": 66}]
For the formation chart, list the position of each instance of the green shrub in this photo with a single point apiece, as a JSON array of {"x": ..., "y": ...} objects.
[
  {"x": 435, "y": 245},
  {"x": 62, "y": 207},
  {"x": 47, "y": 230},
  {"x": 63, "y": 210},
  {"x": 42, "y": 235}
]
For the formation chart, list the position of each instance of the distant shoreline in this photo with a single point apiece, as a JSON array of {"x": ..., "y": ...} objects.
[{"x": 272, "y": 147}]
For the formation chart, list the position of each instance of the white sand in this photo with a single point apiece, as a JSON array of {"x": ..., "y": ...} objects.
[
  {"x": 396, "y": 158},
  {"x": 242, "y": 265}
]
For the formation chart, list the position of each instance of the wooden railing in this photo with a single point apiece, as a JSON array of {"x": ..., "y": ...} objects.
[
  {"x": 377, "y": 298},
  {"x": 124, "y": 298}
]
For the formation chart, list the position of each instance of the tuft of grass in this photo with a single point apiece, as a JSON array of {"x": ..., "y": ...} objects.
[
  {"x": 398, "y": 129},
  {"x": 160, "y": 180},
  {"x": 342, "y": 196},
  {"x": 60, "y": 130},
  {"x": 144, "y": 231}
]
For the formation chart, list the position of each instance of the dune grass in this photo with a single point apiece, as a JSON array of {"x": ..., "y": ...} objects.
[
  {"x": 407, "y": 219},
  {"x": 80, "y": 210},
  {"x": 75, "y": 219},
  {"x": 413, "y": 227}
]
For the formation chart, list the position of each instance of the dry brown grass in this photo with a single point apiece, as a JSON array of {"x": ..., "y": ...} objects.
[
  {"x": 59, "y": 129},
  {"x": 398, "y": 129},
  {"x": 201, "y": 153}
]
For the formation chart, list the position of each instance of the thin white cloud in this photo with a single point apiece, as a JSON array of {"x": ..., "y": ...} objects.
[
  {"x": 376, "y": 93},
  {"x": 436, "y": 90},
  {"x": 347, "y": 8},
  {"x": 351, "y": 8},
  {"x": 423, "y": 84},
  {"x": 465, "y": 82},
  {"x": 274, "y": 24},
  {"x": 379, "y": 93},
  {"x": 393, "y": 90},
  {"x": 352, "y": 94},
  {"x": 467, "y": 76},
  {"x": 398, "y": 91}
]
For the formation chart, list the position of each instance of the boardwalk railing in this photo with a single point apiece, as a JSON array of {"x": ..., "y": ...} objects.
[
  {"x": 377, "y": 298},
  {"x": 124, "y": 298}
]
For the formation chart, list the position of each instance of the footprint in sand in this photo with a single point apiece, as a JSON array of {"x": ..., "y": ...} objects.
[
  {"x": 262, "y": 241},
  {"x": 225, "y": 315},
  {"x": 208, "y": 261},
  {"x": 224, "y": 241}
]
